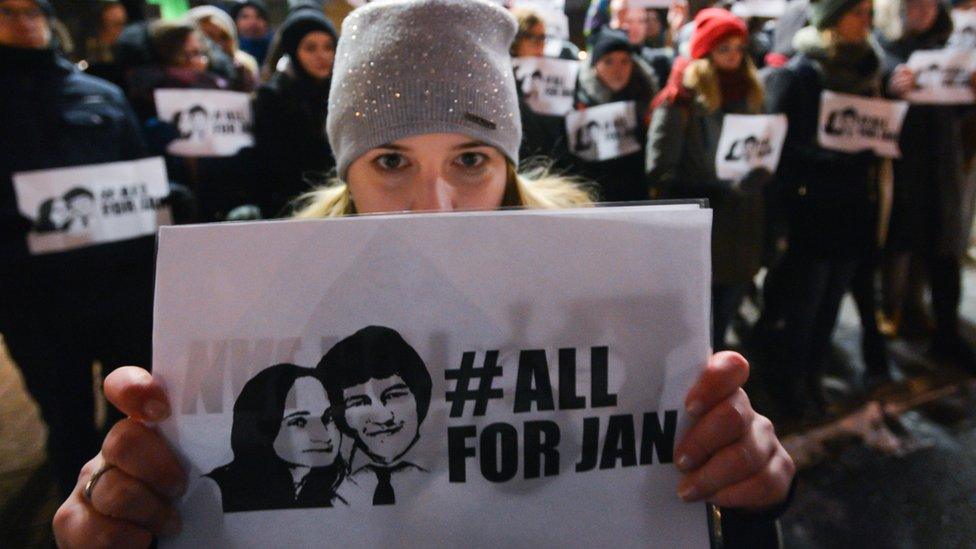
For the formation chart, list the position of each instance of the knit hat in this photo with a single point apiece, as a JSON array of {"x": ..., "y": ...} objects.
[
  {"x": 713, "y": 25},
  {"x": 298, "y": 25},
  {"x": 413, "y": 67},
  {"x": 259, "y": 5},
  {"x": 826, "y": 13},
  {"x": 608, "y": 41},
  {"x": 217, "y": 17}
]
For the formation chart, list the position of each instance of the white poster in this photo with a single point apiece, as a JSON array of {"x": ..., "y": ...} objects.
[
  {"x": 445, "y": 380},
  {"x": 963, "y": 29},
  {"x": 603, "y": 132},
  {"x": 87, "y": 205},
  {"x": 209, "y": 122},
  {"x": 851, "y": 123},
  {"x": 548, "y": 85},
  {"x": 772, "y": 9},
  {"x": 943, "y": 76},
  {"x": 749, "y": 141}
]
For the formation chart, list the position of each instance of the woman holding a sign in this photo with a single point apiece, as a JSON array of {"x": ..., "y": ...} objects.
[
  {"x": 682, "y": 153},
  {"x": 933, "y": 199},
  {"x": 431, "y": 139},
  {"x": 828, "y": 192}
]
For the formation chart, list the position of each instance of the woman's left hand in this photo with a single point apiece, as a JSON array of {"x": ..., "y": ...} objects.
[{"x": 730, "y": 456}]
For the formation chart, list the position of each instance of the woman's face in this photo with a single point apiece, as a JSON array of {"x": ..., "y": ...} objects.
[
  {"x": 532, "y": 43},
  {"x": 727, "y": 55},
  {"x": 855, "y": 25},
  {"x": 614, "y": 69},
  {"x": 59, "y": 215},
  {"x": 308, "y": 436},
  {"x": 316, "y": 52},
  {"x": 193, "y": 56},
  {"x": 428, "y": 173},
  {"x": 920, "y": 15}
]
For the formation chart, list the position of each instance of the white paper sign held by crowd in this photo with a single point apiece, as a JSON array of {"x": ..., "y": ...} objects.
[
  {"x": 747, "y": 142},
  {"x": 853, "y": 124},
  {"x": 603, "y": 132},
  {"x": 85, "y": 206},
  {"x": 207, "y": 122},
  {"x": 547, "y": 85}
]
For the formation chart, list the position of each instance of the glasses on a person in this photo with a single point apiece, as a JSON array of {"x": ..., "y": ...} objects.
[
  {"x": 534, "y": 38},
  {"x": 728, "y": 48},
  {"x": 29, "y": 13},
  {"x": 192, "y": 55}
]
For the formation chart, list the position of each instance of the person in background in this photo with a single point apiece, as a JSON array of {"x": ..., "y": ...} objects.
[
  {"x": 253, "y": 27},
  {"x": 60, "y": 312},
  {"x": 635, "y": 23},
  {"x": 830, "y": 200},
  {"x": 682, "y": 144},
  {"x": 112, "y": 18},
  {"x": 612, "y": 75},
  {"x": 218, "y": 26},
  {"x": 291, "y": 149},
  {"x": 933, "y": 199}
]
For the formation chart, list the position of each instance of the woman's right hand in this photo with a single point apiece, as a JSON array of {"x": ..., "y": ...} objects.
[
  {"x": 134, "y": 497},
  {"x": 902, "y": 81}
]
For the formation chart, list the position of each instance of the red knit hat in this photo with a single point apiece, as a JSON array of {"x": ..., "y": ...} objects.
[{"x": 713, "y": 25}]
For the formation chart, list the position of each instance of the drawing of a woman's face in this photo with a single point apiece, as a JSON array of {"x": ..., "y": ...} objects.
[
  {"x": 383, "y": 413},
  {"x": 308, "y": 435},
  {"x": 59, "y": 215}
]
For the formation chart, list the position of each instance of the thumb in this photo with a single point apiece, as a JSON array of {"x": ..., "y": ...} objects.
[{"x": 137, "y": 394}]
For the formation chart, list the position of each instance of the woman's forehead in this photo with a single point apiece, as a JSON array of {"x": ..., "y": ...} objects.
[
  {"x": 437, "y": 140},
  {"x": 307, "y": 394}
]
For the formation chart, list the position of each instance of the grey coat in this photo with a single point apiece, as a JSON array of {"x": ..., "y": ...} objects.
[{"x": 681, "y": 146}]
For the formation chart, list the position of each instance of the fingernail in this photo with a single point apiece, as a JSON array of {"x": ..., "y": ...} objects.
[
  {"x": 156, "y": 410},
  {"x": 172, "y": 525},
  {"x": 695, "y": 407},
  {"x": 683, "y": 462},
  {"x": 688, "y": 492}
]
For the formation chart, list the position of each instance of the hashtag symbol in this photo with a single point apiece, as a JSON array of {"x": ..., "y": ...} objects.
[{"x": 486, "y": 378}]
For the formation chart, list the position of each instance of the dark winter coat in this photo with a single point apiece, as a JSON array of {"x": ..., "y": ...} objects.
[
  {"x": 829, "y": 198},
  {"x": 289, "y": 139},
  {"x": 55, "y": 116},
  {"x": 933, "y": 199},
  {"x": 681, "y": 146},
  {"x": 619, "y": 179}
]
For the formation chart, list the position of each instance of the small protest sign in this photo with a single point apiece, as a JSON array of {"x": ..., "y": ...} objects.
[
  {"x": 84, "y": 206},
  {"x": 852, "y": 123},
  {"x": 748, "y": 142},
  {"x": 963, "y": 29},
  {"x": 943, "y": 76},
  {"x": 603, "y": 132},
  {"x": 547, "y": 85},
  {"x": 208, "y": 122},
  {"x": 435, "y": 380}
]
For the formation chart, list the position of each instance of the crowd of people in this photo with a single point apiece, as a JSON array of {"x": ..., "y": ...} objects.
[{"x": 824, "y": 224}]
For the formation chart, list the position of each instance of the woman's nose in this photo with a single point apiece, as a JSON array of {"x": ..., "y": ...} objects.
[{"x": 433, "y": 194}]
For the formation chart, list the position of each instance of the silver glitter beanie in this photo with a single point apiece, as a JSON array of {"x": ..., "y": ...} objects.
[{"x": 412, "y": 67}]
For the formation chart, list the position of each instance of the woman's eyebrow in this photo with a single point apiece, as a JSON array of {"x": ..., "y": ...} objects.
[
  {"x": 470, "y": 145},
  {"x": 299, "y": 413},
  {"x": 393, "y": 147}
]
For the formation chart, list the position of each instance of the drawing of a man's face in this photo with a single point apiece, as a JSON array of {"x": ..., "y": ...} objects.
[
  {"x": 308, "y": 435},
  {"x": 59, "y": 214},
  {"x": 383, "y": 414},
  {"x": 198, "y": 122},
  {"x": 384, "y": 389}
]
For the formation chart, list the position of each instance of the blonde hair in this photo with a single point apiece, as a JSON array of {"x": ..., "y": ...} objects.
[
  {"x": 536, "y": 187},
  {"x": 527, "y": 20},
  {"x": 702, "y": 76}
]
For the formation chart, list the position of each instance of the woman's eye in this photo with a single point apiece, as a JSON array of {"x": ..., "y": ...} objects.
[
  {"x": 471, "y": 159},
  {"x": 298, "y": 422},
  {"x": 391, "y": 161}
]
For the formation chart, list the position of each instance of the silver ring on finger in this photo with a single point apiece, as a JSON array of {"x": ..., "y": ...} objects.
[{"x": 90, "y": 485}]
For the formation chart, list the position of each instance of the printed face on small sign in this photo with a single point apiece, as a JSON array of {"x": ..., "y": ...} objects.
[
  {"x": 603, "y": 132},
  {"x": 89, "y": 205},
  {"x": 207, "y": 122},
  {"x": 943, "y": 76},
  {"x": 852, "y": 124},
  {"x": 547, "y": 85},
  {"x": 963, "y": 29},
  {"x": 748, "y": 142},
  {"x": 418, "y": 389}
]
